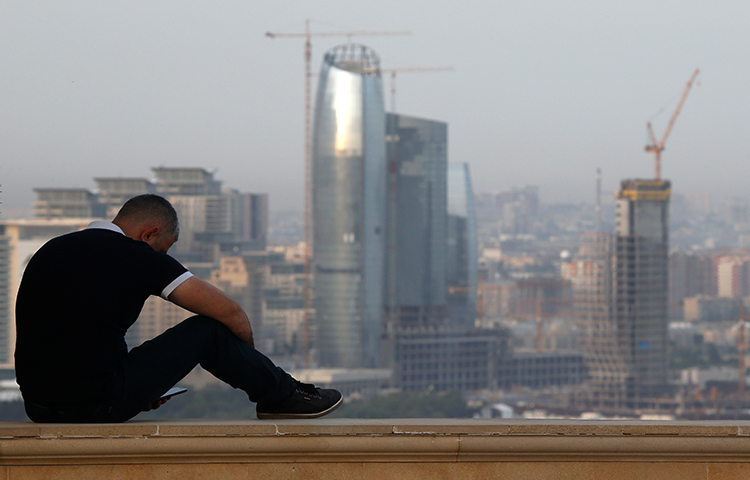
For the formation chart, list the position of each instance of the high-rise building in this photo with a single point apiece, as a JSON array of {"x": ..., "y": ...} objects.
[
  {"x": 690, "y": 275},
  {"x": 186, "y": 181},
  {"x": 462, "y": 247},
  {"x": 732, "y": 275},
  {"x": 67, "y": 203},
  {"x": 641, "y": 284},
  {"x": 348, "y": 207},
  {"x": 115, "y": 191},
  {"x": 417, "y": 213},
  {"x": 250, "y": 218},
  {"x": 213, "y": 222},
  {"x": 620, "y": 297}
]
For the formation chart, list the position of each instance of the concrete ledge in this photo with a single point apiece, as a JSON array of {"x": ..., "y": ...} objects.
[
  {"x": 340, "y": 448},
  {"x": 345, "y": 440}
]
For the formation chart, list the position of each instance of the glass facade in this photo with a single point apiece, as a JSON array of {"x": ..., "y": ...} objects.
[
  {"x": 462, "y": 247},
  {"x": 415, "y": 282},
  {"x": 349, "y": 197}
]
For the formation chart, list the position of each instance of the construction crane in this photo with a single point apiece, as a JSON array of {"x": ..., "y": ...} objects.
[
  {"x": 394, "y": 71},
  {"x": 658, "y": 147},
  {"x": 307, "y": 35}
]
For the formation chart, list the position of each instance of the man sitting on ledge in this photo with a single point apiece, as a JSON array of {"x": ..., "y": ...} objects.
[{"x": 82, "y": 291}]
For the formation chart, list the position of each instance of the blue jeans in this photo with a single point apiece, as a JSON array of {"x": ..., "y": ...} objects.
[{"x": 151, "y": 369}]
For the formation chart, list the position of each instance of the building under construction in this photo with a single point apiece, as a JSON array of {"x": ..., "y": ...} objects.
[
  {"x": 348, "y": 207},
  {"x": 620, "y": 284}
]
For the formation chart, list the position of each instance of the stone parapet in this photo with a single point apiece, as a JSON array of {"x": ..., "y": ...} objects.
[{"x": 346, "y": 448}]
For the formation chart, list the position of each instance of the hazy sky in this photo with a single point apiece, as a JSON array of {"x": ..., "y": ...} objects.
[{"x": 543, "y": 92}]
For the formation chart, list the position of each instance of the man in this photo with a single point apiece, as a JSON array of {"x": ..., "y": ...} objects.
[{"x": 82, "y": 291}]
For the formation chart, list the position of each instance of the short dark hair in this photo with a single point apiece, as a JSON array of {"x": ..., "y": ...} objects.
[{"x": 150, "y": 207}]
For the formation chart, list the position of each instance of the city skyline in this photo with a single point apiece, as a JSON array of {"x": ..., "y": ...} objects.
[{"x": 542, "y": 93}]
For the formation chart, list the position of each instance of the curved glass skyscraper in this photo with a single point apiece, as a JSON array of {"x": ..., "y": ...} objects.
[{"x": 349, "y": 193}]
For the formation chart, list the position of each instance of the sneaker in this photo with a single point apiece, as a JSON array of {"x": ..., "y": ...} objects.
[{"x": 306, "y": 401}]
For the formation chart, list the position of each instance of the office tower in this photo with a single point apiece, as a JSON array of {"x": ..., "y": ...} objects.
[
  {"x": 250, "y": 219},
  {"x": 348, "y": 207},
  {"x": 416, "y": 254},
  {"x": 641, "y": 286},
  {"x": 461, "y": 247},
  {"x": 67, "y": 203},
  {"x": 212, "y": 222},
  {"x": 621, "y": 290},
  {"x": 186, "y": 181},
  {"x": 115, "y": 191},
  {"x": 203, "y": 212}
]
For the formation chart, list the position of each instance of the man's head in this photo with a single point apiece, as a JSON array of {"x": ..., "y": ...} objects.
[{"x": 151, "y": 219}]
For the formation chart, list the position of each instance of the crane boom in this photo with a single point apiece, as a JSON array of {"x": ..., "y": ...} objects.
[
  {"x": 394, "y": 71},
  {"x": 658, "y": 147},
  {"x": 356, "y": 33}
]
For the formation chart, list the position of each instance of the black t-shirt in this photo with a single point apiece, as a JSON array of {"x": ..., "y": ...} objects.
[{"x": 79, "y": 294}]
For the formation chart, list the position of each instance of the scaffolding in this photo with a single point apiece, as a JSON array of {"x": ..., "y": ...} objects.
[{"x": 592, "y": 274}]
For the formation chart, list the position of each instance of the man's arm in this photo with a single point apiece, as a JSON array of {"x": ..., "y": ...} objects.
[{"x": 204, "y": 299}]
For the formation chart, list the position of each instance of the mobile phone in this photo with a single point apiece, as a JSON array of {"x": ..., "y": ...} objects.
[{"x": 173, "y": 391}]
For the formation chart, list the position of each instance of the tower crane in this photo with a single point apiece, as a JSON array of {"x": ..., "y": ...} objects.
[
  {"x": 307, "y": 35},
  {"x": 394, "y": 71},
  {"x": 658, "y": 147}
]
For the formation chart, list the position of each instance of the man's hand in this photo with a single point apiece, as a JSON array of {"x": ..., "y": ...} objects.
[
  {"x": 157, "y": 404},
  {"x": 204, "y": 299}
]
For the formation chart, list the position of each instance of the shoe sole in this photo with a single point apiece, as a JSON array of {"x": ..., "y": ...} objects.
[{"x": 292, "y": 416}]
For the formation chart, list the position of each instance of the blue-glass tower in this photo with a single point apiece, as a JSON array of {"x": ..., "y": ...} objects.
[
  {"x": 462, "y": 247},
  {"x": 349, "y": 198},
  {"x": 416, "y": 268}
]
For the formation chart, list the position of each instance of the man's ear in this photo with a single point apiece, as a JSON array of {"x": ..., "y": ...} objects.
[{"x": 149, "y": 233}]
